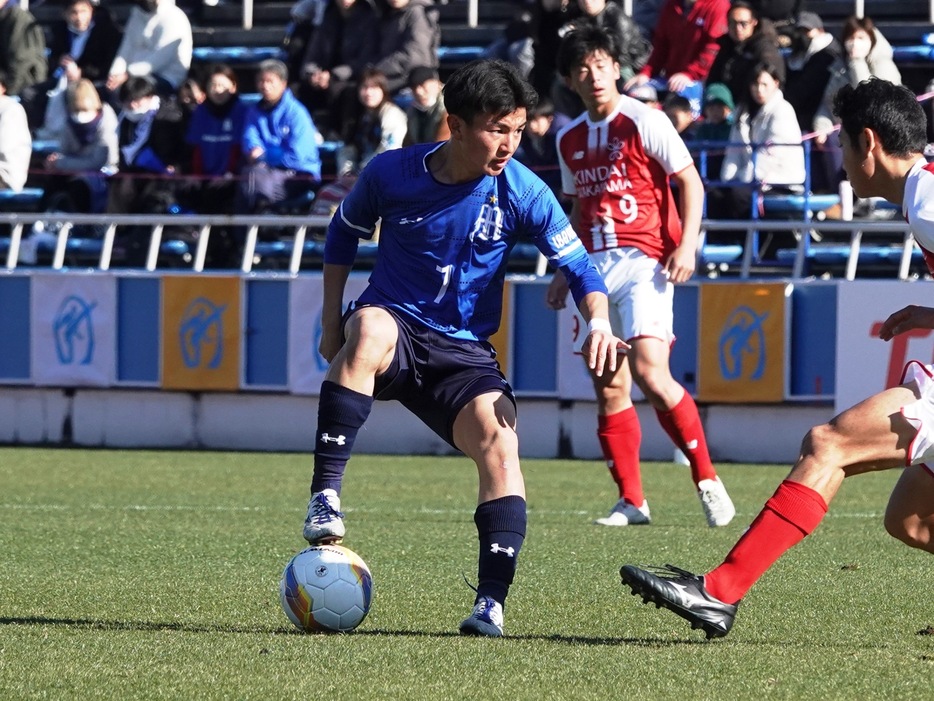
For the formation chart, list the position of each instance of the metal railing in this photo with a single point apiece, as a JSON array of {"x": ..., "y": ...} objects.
[{"x": 895, "y": 232}]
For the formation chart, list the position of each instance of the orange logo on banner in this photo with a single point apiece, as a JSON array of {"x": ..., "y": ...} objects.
[
  {"x": 201, "y": 333},
  {"x": 741, "y": 354}
]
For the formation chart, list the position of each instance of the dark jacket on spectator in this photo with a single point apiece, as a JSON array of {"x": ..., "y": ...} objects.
[
  {"x": 734, "y": 61},
  {"x": 343, "y": 45},
  {"x": 99, "y": 51},
  {"x": 22, "y": 47},
  {"x": 807, "y": 76},
  {"x": 408, "y": 37}
]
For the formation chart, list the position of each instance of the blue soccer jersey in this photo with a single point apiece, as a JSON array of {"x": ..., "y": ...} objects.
[{"x": 443, "y": 248}]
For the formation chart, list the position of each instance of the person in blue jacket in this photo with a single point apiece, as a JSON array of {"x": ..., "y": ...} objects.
[{"x": 280, "y": 145}]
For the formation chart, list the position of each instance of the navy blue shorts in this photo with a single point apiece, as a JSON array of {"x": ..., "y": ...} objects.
[{"x": 435, "y": 376}]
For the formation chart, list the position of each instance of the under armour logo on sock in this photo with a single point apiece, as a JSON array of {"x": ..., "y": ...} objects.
[
  {"x": 494, "y": 548},
  {"x": 340, "y": 440},
  {"x": 692, "y": 445}
]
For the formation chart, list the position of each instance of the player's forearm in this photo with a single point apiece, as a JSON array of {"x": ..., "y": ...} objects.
[
  {"x": 332, "y": 305},
  {"x": 691, "y": 189},
  {"x": 594, "y": 305}
]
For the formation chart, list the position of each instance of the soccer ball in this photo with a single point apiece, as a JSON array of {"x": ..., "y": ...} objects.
[{"x": 326, "y": 588}]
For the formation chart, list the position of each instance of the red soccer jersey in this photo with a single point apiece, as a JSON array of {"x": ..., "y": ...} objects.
[
  {"x": 618, "y": 169},
  {"x": 918, "y": 207}
]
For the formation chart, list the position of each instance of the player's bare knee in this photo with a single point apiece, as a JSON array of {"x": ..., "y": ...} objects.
[
  {"x": 910, "y": 531},
  {"x": 371, "y": 334},
  {"x": 822, "y": 444}
]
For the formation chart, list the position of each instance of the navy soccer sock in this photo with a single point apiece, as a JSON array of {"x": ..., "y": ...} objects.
[
  {"x": 501, "y": 530},
  {"x": 341, "y": 413}
]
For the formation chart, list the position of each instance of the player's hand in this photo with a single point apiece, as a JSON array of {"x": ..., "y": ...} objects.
[
  {"x": 602, "y": 350},
  {"x": 331, "y": 340},
  {"x": 557, "y": 294},
  {"x": 681, "y": 264},
  {"x": 907, "y": 319}
]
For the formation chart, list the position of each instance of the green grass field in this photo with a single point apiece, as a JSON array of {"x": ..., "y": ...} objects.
[{"x": 130, "y": 575}]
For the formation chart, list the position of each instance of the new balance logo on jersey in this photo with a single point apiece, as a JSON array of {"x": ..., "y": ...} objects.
[
  {"x": 489, "y": 224},
  {"x": 340, "y": 440},
  {"x": 577, "y": 155},
  {"x": 510, "y": 551}
]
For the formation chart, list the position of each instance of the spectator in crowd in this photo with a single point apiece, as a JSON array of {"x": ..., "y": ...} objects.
[
  {"x": 645, "y": 14},
  {"x": 15, "y": 140},
  {"x": 866, "y": 54},
  {"x": 214, "y": 138},
  {"x": 645, "y": 93},
  {"x": 88, "y": 150},
  {"x": 516, "y": 44},
  {"x": 678, "y": 109},
  {"x": 190, "y": 95},
  {"x": 748, "y": 41},
  {"x": 814, "y": 59},
  {"x": 409, "y": 36},
  {"x": 815, "y": 62},
  {"x": 381, "y": 128},
  {"x": 771, "y": 156},
  {"x": 82, "y": 44},
  {"x": 280, "y": 145},
  {"x": 633, "y": 48},
  {"x": 426, "y": 118},
  {"x": 714, "y": 128},
  {"x": 782, "y": 14},
  {"x": 684, "y": 45},
  {"x": 304, "y": 17},
  {"x": 157, "y": 42},
  {"x": 22, "y": 47},
  {"x": 548, "y": 19},
  {"x": 539, "y": 146},
  {"x": 152, "y": 151},
  {"x": 338, "y": 49}
]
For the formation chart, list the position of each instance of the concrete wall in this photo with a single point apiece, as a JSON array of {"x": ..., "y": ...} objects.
[{"x": 276, "y": 422}]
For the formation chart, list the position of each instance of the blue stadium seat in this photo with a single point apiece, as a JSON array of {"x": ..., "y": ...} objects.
[
  {"x": 235, "y": 55},
  {"x": 26, "y": 200},
  {"x": 459, "y": 54},
  {"x": 806, "y": 205}
]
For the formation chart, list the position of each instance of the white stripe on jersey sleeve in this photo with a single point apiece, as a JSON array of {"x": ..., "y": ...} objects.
[
  {"x": 567, "y": 250},
  {"x": 349, "y": 223}
]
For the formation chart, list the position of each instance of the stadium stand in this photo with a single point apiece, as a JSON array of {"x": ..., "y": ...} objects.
[{"x": 221, "y": 34}]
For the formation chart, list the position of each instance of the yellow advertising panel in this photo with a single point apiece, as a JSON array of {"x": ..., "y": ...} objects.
[
  {"x": 500, "y": 339},
  {"x": 201, "y": 323},
  {"x": 741, "y": 354}
]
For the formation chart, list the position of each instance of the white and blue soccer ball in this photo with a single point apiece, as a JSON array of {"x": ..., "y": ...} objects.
[{"x": 326, "y": 588}]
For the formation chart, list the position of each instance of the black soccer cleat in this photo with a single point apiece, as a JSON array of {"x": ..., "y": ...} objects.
[{"x": 683, "y": 593}]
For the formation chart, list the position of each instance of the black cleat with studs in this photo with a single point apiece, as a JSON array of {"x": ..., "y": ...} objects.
[{"x": 683, "y": 593}]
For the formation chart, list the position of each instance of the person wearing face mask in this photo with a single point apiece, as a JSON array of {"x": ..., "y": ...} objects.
[
  {"x": 157, "y": 42},
  {"x": 152, "y": 148},
  {"x": 88, "y": 144},
  {"x": 866, "y": 54}
]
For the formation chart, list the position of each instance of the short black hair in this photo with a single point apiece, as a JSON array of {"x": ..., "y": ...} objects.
[
  {"x": 487, "y": 86},
  {"x": 674, "y": 101},
  {"x": 768, "y": 68},
  {"x": 137, "y": 87},
  {"x": 891, "y": 111},
  {"x": 580, "y": 43}
]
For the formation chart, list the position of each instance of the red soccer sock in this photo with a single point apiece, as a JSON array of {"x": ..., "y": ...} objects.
[
  {"x": 683, "y": 425},
  {"x": 620, "y": 436},
  {"x": 792, "y": 513}
]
